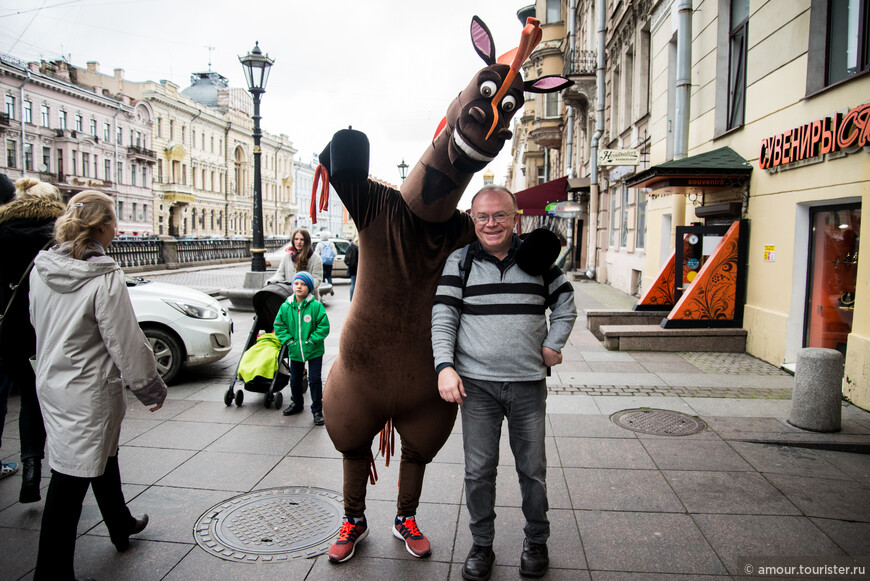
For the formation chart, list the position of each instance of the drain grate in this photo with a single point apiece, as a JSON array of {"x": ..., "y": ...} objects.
[
  {"x": 275, "y": 524},
  {"x": 658, "y": 422}
]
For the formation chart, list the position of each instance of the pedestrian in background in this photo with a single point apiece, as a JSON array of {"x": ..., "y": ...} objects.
[
  {"x": 351, "y": 260},
  {"x": 89, "y": 346},
  {"x": 26, "y": 227},
  {"x": 327, "y": 251},
  {"x": 7, "y": 194},
  {"x": 300, "y": 258},
  {"x": 492, "y": 296},
  {"x": 302, "y": 325}
]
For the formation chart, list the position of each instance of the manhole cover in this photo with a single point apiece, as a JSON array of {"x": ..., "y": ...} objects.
[
  {"x": 658, "y": 422},
  {"x": 275, "y": 524}
]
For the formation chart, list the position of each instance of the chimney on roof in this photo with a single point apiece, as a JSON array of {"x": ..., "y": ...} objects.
[
  {"x": 94, "y": 66},
  {"x": 119, "y": 74}
]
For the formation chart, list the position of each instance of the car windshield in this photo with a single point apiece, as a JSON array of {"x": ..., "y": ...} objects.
[{"x": 341, "y": 246}]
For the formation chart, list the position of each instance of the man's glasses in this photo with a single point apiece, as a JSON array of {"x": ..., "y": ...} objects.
[{"x": 499, "y": 217}]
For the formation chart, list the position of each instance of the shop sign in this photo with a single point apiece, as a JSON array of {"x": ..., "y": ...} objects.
[
  {"x": 770, "y": 253},
  {"x": 817, "y": 137},
  {"x": 93, "y": 183},
  {"x": 619, "y": 157}
]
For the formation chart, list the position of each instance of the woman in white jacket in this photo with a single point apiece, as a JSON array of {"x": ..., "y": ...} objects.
[
  {"x": 300, "y": 258},
  {"x": 88, "y": 347}
]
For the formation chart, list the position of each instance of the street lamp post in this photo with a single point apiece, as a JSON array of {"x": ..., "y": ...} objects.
[
  {"x": 403, "y": 169},
  {"x": 256, "y": 66}
]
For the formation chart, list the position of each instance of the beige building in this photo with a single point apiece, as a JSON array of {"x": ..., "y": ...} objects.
[{"x": 783, "y": 84}]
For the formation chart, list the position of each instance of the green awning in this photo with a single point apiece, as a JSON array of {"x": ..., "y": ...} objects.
[{"x": 720, "y": 168}]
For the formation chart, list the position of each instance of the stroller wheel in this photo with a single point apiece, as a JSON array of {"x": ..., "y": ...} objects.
[
  {"x": 240, "y": 397},
  {"x": 279, "y": 400},
  {"x": 228, "y": 398},
  {"x": 267, "y": 401}
]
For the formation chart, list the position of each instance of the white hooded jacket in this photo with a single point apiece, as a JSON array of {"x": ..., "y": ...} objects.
[{"x": 87, "y": 339}]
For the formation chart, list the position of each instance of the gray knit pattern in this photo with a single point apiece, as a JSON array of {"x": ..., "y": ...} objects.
[{"x": 495, "y": 330}]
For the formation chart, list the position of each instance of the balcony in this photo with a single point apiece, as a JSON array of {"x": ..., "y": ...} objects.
[
  {"x": 580, "y": 67},
  {"x": 137, "y": 152},
  {"x": 175, "y": 193},
  {"x": 5, "y": 121},
  {"x": 547, "y": 132}
]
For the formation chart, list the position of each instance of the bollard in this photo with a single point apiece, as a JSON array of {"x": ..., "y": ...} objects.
[{"x": 818, "y": 390}]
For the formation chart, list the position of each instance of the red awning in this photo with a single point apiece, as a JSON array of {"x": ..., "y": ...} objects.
[{"x": 532, "y": 201}]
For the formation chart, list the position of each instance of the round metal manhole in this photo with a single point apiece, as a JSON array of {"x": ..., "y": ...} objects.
[
  {"x": 271, "y": 525},
  {"x": 658, "y": 422}
]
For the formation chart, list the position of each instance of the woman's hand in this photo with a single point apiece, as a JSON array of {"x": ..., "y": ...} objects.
[{"x": 156, "y": 407}]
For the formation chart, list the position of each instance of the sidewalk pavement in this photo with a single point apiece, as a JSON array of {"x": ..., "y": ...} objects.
[{"x": 748, "y": 491}]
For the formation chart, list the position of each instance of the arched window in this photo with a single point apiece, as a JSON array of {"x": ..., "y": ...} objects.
[{"x": 240, "y": 171}]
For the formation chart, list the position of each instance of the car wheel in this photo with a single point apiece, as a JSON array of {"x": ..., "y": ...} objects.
[
  {"x": 167, "y": 353},
  {"x": 240, "y": 398},
  {"x": 279, "y": 400}
]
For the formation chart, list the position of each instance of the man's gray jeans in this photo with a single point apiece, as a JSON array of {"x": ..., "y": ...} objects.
[{"x": 524, "y": 404}]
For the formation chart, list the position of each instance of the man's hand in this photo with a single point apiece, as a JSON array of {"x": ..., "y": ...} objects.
[
  {"x": 551, "y": 357},
  {"x": 450, "y": 386}
]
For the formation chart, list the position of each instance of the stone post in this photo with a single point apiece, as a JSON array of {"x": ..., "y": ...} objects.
[{"x": 816, "y": 402}]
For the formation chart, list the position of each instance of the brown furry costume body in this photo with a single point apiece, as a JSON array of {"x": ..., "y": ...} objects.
[{"x": 385, "y": 366}]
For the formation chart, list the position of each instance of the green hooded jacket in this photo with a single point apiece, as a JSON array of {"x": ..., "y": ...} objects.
[{"x": 303, "y": 327}]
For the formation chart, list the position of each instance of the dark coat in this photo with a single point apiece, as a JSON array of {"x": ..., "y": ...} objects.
[{"x": 26, "y": 225}]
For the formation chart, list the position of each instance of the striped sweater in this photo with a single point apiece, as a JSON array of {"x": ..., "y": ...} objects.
[{"x": 494, "y": 331}]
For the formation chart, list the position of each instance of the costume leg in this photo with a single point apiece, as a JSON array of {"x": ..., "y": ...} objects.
[
  {"x": 60, "y": 518},
  {"x": 526, "y": 413},
  {"x": 30, "y": 426},
  {"x": 482, "y": 416},
  {"x": 356, "y": 474},
  {"x": 315, "y": 384},
  {"x": 297, "y": 392},
  {"x": 423, "y": 430},
  {"x": 110, "y": 499}
]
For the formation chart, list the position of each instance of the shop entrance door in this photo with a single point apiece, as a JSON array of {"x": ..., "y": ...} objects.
[{"x": 833, "y": 270}]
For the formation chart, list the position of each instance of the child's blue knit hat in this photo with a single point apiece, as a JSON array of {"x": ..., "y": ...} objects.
[{"x": 306, "y": 278}]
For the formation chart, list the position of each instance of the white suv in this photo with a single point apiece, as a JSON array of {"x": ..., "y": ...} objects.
[{"x": 182, "y": 325}]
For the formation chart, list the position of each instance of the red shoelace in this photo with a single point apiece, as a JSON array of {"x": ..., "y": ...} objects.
[
  {"x": 348, "y": 530},
  {"x": 410, "y": 524}
]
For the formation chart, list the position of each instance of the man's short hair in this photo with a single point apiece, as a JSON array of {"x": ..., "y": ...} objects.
[{"x": 485, "y": 189}]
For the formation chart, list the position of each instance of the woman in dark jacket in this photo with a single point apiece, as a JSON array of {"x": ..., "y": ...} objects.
[{"x": 27, "y": 226}]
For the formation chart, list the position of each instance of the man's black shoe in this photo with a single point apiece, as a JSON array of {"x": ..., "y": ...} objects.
[
  {"x": 318, "y": 419},
  {"x": 293, "y": 408},
  {"x": 534, "y": 560},
  {"x": 31, "y": 479},
  {"x": 478, "y": 563}
]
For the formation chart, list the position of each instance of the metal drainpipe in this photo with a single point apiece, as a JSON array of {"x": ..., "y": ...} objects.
[
  {"x": 21, "y": 92},
  {"x": 684, "y": 79},
  {"x": 592, "y": 250},
  {"x": 227, "y": 180},
  {"x": 569, "y": 137}
]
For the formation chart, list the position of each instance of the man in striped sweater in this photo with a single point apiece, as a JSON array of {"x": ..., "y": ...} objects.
[{"x": 492, "y": 348}]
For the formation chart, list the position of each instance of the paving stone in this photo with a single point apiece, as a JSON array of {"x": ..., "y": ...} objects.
[
  {"x": 143, "y": 561},
  {"x": 729, "y": 493},
  {"x": 603, "y": 453},
  {"x": 221, "y": 471},
  {"x": 621, "y": 490},
  {"x": 852, "y": 537},
  {"x": 268, "y": 440},
  {"x": 825, "y": 498},
  {"x": 787, "y": 460},
  {"x": 684, "y": 454},
  {"x": 181, "y": 435}
]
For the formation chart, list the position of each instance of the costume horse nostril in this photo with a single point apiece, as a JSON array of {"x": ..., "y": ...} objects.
[
  {"x": 478, "y": 114},
  {"x": 505, "y": 134}
]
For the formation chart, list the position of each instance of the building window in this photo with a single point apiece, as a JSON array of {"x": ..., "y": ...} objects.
[
  {"x": 46, "y": 159},
  {"x": 171, "y": 130},
  {"x": 737, "y": 62},
  {"x": 119, "y": 136},
  {"x": 144, "y": 176},
  {"x": 551, "y": 105},
  {"x": 120, "y": 176},
  {"x": 614, "y": 101},
  {"x": 28, "y": 112},
  {"x": 212, "y": 143},
  {"x": 159, "y": 127},
  {"x": 86, "y": 161},
  {"x": 78, "y": 122},
  {"x": 44, "y": 113},
  {"x": 848, "y": 39},
  {"x": 10, "y": 107},
  {"x": 202, "y": 140},
  {"x": 614, "y": 216},
  {"x": 554, "y": 11},
  {"x": 145, "y": 212},
  {"x": 75, "y": 161},
  {"x": 138, "y": 139},
  {"x": 133, "y": 179},
  {"x": 107, "y": 170},
  {"x": 60, "y": 164},
  {"x": 107, "y": 132},
  {"x": 120, "y": 210},
  {"x": 11, "y": 154},
  {"x": 640, "y": 227},
  {"x": 623, "y": 239},
  {"x": 193, "y": 138},
  {"x": 61, "y": 119},
  {"x": 28, "y": 156},
  {"x": 94, "y": 127},
  {"x": 135, "y": 217}
]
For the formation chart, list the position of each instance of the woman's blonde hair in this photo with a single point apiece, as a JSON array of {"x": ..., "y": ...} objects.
[
  {"x": 86, "y": 213},
  {"x": 33, "y": 188}
]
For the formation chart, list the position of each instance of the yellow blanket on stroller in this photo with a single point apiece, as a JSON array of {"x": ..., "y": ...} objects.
[{"x": 261, "y": 359}]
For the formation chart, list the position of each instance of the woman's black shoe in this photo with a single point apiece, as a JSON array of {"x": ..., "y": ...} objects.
[
  {"x": 138, "y": 526},
  {"x": 31, "y": 478},
  {"x": 293, "y": 408}
]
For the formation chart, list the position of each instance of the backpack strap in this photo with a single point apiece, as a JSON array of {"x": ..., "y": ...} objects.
[{"x": 465, "y": 261}]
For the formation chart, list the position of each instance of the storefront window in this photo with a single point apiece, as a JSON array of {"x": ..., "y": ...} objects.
[
  {"x": 640, "y": 228},
  {"x": 834, "y": 247}
]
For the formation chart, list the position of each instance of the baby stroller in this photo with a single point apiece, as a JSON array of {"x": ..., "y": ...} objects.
[{"x": 267, "y": 302}]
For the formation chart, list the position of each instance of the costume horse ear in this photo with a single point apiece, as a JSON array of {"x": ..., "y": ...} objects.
[
  {"x": 548, "y": 84},
  {"x": 481, "y": 38}
]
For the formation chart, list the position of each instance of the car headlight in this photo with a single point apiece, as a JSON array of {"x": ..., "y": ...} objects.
[{"x": 191, "y": 310}]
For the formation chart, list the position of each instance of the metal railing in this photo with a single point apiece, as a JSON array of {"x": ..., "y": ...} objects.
[
  {"x": 136, "y": 252},
  {"x": 188, "y": 251},
  {"x": 580, "y": 62},
  {"x": 217, "y": 249}
]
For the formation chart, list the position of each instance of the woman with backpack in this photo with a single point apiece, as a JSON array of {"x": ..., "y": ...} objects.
[
  {"x": 327, "y": 251},
  {"x": 351, "y": 260}
]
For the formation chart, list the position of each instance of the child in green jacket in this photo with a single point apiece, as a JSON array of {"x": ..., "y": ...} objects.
[{"x": 302, "y": 325}]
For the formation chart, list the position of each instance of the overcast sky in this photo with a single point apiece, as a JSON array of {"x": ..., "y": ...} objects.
[{"x": 387, "y": 67}]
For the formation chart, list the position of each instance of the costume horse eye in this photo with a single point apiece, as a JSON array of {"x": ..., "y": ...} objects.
[
  {"x": 508, "y": 104},
  {"x": 488, "y": 89}
]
